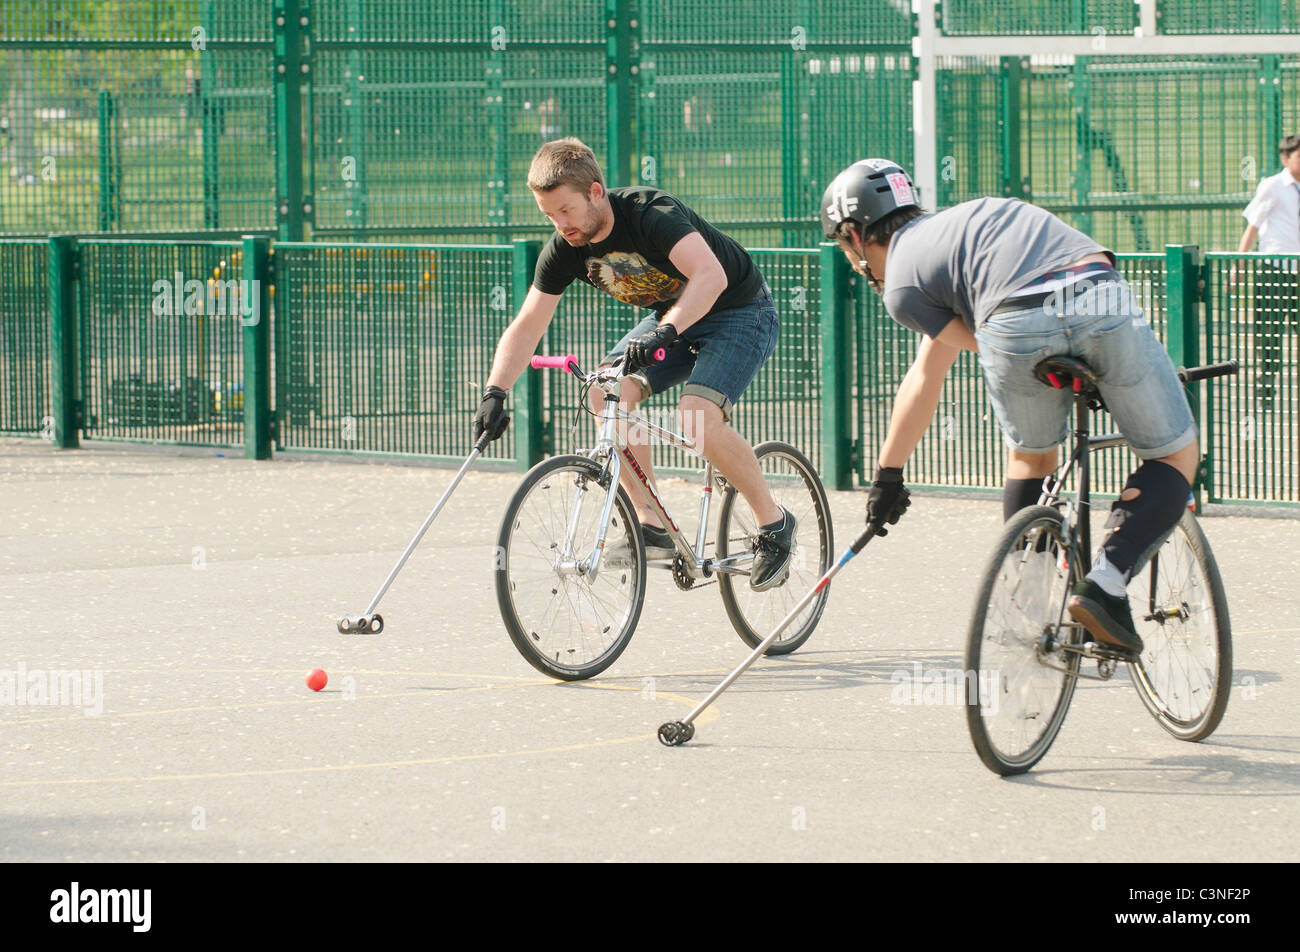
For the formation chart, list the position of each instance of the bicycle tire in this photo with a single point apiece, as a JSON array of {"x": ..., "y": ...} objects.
[
  {"x": 796, "y": 486},
  {"x": 584, "y": 625},
  {"x": 1018, "y": 621},
  {"x": 1184, "y": 675}
]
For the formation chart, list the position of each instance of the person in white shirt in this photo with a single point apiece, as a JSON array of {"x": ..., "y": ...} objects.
[{"x": 1273, "y": 216}]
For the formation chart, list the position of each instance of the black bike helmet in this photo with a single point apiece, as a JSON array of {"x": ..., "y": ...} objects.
[{"x": 864, "y": 193}]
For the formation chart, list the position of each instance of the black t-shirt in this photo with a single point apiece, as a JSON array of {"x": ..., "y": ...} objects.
[{"x": 632, "y": 263}]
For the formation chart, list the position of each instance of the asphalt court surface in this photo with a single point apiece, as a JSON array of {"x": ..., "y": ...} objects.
[{"x": 198, "y": 591}]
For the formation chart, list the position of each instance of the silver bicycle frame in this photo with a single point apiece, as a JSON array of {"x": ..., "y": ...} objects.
[{"x": 612, "y": 449}]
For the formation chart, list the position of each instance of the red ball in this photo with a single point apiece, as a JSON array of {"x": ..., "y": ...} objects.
[{"x": 316, "y": 679}]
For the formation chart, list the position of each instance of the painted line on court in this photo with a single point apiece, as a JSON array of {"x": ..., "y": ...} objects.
[{"x": 707, "y": 717}]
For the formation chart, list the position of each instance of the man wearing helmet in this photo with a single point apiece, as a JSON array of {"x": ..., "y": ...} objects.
[{"x": 1016, "y": 284}]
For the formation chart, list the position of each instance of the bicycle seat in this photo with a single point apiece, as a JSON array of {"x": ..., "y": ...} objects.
[{"x": 1066, "y": 373}]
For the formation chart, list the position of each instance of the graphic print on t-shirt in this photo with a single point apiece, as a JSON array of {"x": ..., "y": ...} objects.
[{"x": 632, "y": 279}]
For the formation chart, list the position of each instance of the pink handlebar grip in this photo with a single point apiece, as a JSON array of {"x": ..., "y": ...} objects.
[{"x": 552, "y": 363}]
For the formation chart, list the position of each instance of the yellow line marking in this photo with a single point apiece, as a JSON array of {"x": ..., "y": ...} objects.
[{"x": 707, "y": 717}]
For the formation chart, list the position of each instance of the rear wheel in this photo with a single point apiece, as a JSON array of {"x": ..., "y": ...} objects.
[
  {"x": 796, "y": 487},
  {"x": 1180, "y": 610}
]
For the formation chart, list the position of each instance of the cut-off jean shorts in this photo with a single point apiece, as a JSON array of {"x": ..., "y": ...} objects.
[
  {"x": 732, "y": 345},
  {"x": 1100, "y": 324}
]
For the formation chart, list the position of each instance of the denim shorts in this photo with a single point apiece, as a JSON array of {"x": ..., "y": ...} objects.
[
  {"x": 1100, "y": 324},
  {"x": 717, "y": 356}
]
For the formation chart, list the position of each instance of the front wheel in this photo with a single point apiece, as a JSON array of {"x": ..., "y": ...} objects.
[
  {"x": 796, "y": 487},
  {"x": 1180, "y": 610},
  {"x": 565, "y": 623},
  {"x": 1019, "y": 680}
]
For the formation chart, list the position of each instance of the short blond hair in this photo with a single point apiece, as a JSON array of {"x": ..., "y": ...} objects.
[{"x": 567, "y": 161}]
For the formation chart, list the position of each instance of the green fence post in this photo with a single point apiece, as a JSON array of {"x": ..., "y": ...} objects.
[
  {"x": 108, "y": 168},
  {"x": 64, "y": 398},
  {"x": 1081, "y": 179},
  {"x": 1183, "y": 282},
  {"x": 255, "y": 284},
  {"x": 291, "y": 71},
  {"x": 620, "y": 101},
  {"x": 212, "y": 111},
  {"x": 1009, "y": 75},
  {"x": 837, "y": 447},
  {"x": 1270, "y": 104},
  {"x": 529, "y": 423}
]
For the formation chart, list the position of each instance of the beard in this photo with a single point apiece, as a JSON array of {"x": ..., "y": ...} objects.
[{"x": 585, "y": 232}]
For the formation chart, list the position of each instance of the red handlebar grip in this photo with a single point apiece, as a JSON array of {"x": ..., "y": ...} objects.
[{"x": 552, "y": 363}]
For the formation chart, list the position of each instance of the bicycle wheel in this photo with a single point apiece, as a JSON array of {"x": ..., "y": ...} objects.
[
  {"x": 1019, "y": 681},
  {"x": 1185, "y": 672},
  {"x": 565, "y": 624},
  {"x": 795, "y": 485}
]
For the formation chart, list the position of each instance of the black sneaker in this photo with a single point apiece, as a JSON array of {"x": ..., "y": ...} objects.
[
  {"x": 772, "y": 551},
  {"x": 658, "y": 545},
  {"x": 1106, "y": 617}
]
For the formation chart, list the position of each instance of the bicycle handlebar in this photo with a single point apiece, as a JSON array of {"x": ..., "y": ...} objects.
[
  {"x": 1225, "y": 369},
  {"x": 569, "y": 362},
  {"x": 565, "y": 363}
]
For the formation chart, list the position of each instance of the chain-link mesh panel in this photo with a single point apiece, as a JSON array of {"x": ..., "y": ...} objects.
[
  {"x": 792, "y": 23},
  {"x": 386, "y": 348},
  {"x": 443, "y": 139},
  {"x": 495, "y": 22},
  {"x": 1229, "y": 16},
  {"x": 160, "y": 341},
  {"x": 1252, "y": 420},
  {"x": 141, "y": 139},
  {"x": 1138, "y": 153},
  {"x": 966, "y": 17},
  {"x": 193, "y": 22},
  {"x": 751, "y": 139},
  {"x": 24, "y": 339}
]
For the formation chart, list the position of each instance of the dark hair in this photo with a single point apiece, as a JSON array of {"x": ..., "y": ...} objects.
[
  {"x": 1289, "y": 145},
  {"x": 880, "y": 232}
]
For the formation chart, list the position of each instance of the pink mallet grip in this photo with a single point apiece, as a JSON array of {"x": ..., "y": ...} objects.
[{"x": 552, "y": 363}]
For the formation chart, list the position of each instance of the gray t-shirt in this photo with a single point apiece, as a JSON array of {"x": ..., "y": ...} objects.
[{"x": 965, "y": 260}]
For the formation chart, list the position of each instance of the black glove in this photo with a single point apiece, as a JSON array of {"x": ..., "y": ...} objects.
[
  {"x": 888, "y": 499},
  {"x": 491, "y": 418},
  {"x": 641, "y": 350}
]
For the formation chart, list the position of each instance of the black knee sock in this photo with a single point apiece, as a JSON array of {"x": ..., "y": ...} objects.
[
  {"x": 1137, "y": 527},
  {"x": 1019, "y": 493}
]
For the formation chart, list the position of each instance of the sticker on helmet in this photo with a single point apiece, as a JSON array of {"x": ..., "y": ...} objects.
[
  {"x": 842, "y": 204},
  {"x": 901, "y": 188}
]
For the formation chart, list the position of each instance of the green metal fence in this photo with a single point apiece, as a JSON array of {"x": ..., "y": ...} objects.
[
  {"x": 352, "y": 119},
  {"x": 1253, "y": 419},
  {"x": 355, "y": 118},
  {"x": 386, "y": 348},
  {"x": 383, "y": 349},
  {"x": 1229, "y": 16},
  {"x": 136, "y": 116},
  {"x": 160, "y": 338},
  {"x": 974, "y": 17},
  {"x": 1137, "y": 152},
  {"x": 24, "y": 336}
]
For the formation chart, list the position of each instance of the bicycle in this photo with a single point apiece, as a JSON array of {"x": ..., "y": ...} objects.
[
  {"x": 571, "y": 613},
  {"x": 1024, "y": 653}
]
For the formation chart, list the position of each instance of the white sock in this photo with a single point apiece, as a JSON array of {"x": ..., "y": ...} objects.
[{"x": 1110, "y": 579}]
